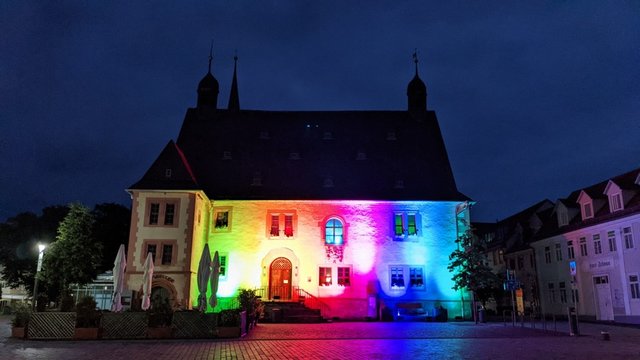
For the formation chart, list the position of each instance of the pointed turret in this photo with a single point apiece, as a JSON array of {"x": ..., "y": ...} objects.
[
  {"x": 234, "y": 98},
  {"x": 417, "y": 91},
  {"x": 208, "y": 88}
]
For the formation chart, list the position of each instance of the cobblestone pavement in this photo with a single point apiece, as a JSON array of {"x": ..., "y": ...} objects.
[{"x": 352, "y": 341}]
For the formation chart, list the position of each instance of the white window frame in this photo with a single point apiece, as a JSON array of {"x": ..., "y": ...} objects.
[
  {"x": 627, "y": 236},
  {"x": 597, "y": 244},
  {"x": 615, "y": 202},
  {"x": 613, "y": 245},
  {"x": 634, "y": 287},
  {"x": 587, "y": 210},
  {"x": 583, "y": 247}
]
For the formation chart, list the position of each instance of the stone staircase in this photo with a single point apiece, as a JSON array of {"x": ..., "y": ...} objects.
[{"x": 290, "y": 312}]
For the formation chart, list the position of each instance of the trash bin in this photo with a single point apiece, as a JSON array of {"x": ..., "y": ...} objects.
[
  {"x": 481, "y": 314},
  {"x": 277, "y": 315},
  {"x": 573, "y": 321}
]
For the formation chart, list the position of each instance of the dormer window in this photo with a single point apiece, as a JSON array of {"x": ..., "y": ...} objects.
[
  {"x": 614, "y": 193},
  {"x": 587, "y": 211},
  {"x": 328, "y": 183},
  {"x": 327, "y": 135},
  {"x": 615, "y": 202},
  {"x": 586, "y": 205},
  {"x": 361, "y": 155},
  {"x": 563, "y": 217},
  {"x": 226, "y": 155},
  {"x": 264, "y": 135},
  {"x": 168, "y": 173},
  {"x": 399, "y": 184}
]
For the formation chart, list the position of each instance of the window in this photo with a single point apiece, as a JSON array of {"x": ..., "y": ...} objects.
[
  {"x": 162, "y": 251},
  {"x": 166, "y": 209},
  {"x": 587, "y": 211},
  {"x": 558, "y": 252},
  {"x": 615, "y": 202},
  {"x": 574, "y": 296},
  {"x": 532, "y": 263},
  {"x": 167, "y": 254},
  {"x": 275, "y": 225},
  {"x": 288, "y": 225},
  {"x": 583, "y": 246},
  {"x": 152, "y": 248},
  {"x": 628, "y": 238},
  {"x": 169, "y": 212},
  {"x": 611, "y": 236},
  {"x": 635, "y": 287},
  {"x": 411, "y": 224},
  {"x": 167, "y": 173},
  {"x": 512, "y": 264},
  {"x": 397, "y": 277},
  {"x": 154, "y": 213},
  {"x": 520, "y": 262},
  {"x": 570, "y": 253},
  {"x": 547, "y": 255},
  {"x": 563, "y": 217},
  {"x": 416, "y": 279},
  {"x": 223, "y": 265},
  {"x": 552, "y": 293},
  {"x": 324, "y": 276},
  {"x": 563, "y": 292},
  {"x": 597, "y": 245},
  {"x": 333, "y": 232},
  {"x": 277, "y": 218},
  {"x": 226, "y": 155},
  {"x": 405, "y": 223},
  {"x": 398, "y": 226},
  {"x": 221, "y": 220},
  {"x": 344, "y": 276}
]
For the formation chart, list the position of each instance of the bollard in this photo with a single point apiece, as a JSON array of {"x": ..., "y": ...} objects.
[{"x": 605, "y": 335}]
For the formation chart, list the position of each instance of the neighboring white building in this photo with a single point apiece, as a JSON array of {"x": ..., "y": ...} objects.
[{"x": 587, "y": 252}]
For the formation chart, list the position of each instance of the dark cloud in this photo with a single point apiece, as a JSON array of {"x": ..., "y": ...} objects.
[{"x": 534, "y": 100}]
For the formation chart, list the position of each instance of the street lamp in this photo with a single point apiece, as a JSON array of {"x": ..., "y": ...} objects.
[{"x": 41, "y": 248}]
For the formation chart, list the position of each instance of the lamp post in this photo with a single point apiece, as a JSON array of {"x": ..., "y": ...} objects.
[{"x": 41, "y": 248}]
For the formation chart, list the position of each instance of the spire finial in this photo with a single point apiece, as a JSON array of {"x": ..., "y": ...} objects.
[
  {"x": 210, "y": 55},
  {"x": 415, "y": 59}
]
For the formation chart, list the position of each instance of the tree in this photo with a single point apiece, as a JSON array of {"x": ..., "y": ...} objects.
[
  {"x": 75, "y": 256},
  {"x": 18, "y": 238},
  {"x": 111, "y": 228},
  {"x": 469, "y": 267}
]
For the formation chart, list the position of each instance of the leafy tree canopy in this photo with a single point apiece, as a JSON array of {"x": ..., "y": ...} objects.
[
  {"x": 75, "y": 256},
  {"x": 469, "y": 267}
]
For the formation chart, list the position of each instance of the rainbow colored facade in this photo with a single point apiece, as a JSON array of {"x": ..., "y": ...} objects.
[{"x": 355, "y": 210}]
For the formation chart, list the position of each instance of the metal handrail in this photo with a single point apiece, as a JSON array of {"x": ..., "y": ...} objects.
[{"x": 295, "y": 294}]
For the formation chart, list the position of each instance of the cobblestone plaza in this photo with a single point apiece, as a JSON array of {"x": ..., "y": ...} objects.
[{"x": 373, "y": 340}]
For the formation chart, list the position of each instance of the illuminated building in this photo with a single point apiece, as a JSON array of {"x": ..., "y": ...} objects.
[{"x": 357, "y": 210}]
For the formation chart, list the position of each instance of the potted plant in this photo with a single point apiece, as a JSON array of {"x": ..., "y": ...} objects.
[
  {"x": 229, "y": 324},
  {"x": 252, "y": 304},
  {"x": 87, "y": 319},
  {"x": 20, "y": 321},
  {"x": 160, "y": 316}
]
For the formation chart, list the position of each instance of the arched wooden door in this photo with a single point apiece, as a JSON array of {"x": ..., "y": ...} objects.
[{"x": 280, "y": 279}]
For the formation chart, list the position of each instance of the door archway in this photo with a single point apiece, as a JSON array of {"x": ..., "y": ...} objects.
[{"x": 280, "y": 279}]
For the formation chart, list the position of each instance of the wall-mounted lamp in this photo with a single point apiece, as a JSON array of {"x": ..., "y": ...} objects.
[
  {"x": 296, "y": 272},
  {"x": 264, "y": 270}
]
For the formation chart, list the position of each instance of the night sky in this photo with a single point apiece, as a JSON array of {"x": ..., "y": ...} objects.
[{"x": 534, "y": 101}]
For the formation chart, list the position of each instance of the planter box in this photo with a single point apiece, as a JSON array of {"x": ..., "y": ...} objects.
[
  {"x": 51, "y": 325},
  {"x": 193, "y": 325},
  {"x": 86, "y": 333},
  {"x": 159, "y": 332},
  {"x": 125, "y": 325},
  {"x": 18, "y": 332}
]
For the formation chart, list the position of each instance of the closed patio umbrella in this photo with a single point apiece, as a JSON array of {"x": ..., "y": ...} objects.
[
  {"x": 204, "y": 271},
  {"x": 147, "y": 278},
  {"x": 215, "y": 274},
  {"x": 119, "y": 266}
]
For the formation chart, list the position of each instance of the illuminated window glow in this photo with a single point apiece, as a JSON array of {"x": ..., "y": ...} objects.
[{"x": 333, "y": 232}]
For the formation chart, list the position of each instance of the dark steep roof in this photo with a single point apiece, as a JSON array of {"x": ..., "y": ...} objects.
[
  {"x": 170, "y": 171},
  {"x": 350, "y": 155}
]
